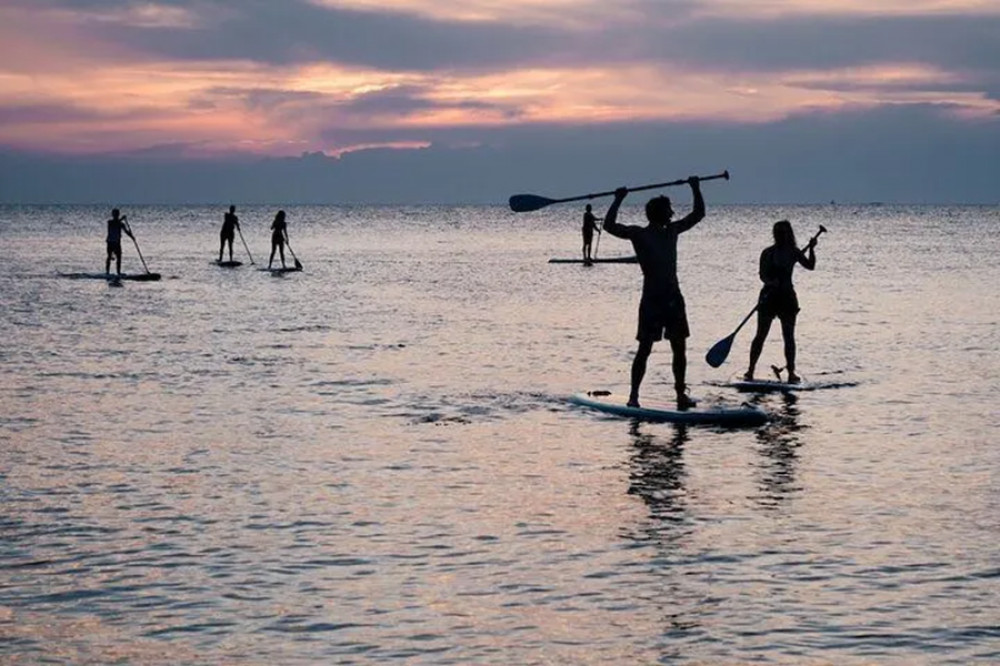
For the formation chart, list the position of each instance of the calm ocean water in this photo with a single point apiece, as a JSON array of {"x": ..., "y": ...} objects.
[{"x": 373, "y": 460}]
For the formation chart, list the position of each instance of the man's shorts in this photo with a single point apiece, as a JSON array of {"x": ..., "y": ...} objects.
[
  {"x": 114, "y": 249},
  {"x": 662, "y": 317}
]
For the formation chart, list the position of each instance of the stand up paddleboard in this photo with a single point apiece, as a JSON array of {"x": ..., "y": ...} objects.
[
  {"x": 777, "y": 386},
  {"x": 228, "y": 264},
  {"x": 610, "y": 403},
  {"x": 112, "y": 277},
  {"x": 602, "y": 260},
  {"x": 770, "y": 385},
  {"x": 281, "y": 271}
]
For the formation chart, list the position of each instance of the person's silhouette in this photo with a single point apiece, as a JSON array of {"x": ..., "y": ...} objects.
[
  {"x": 777, "y": 296},
  {"x": 278, "y": 229},
  {"x": 116, "y": 225},
  {"x": 230, "y": 223},
  {"x": 589, "y": 227},
  {"x": 662, "y": 313}
]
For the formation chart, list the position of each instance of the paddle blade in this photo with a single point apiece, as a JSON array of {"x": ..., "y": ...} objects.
[
  {"x": 523, "y": 203},
  {"x": 717, "y": 355}
]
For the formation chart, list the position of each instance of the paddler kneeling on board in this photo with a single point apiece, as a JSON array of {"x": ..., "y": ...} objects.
[
  {"x": 661, "y": 310},
  {"x": 116, "y": 225},
  {"x": 777, "y": 296}
]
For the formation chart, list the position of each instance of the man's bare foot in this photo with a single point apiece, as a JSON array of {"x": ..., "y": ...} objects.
[{"x": 685, "y": 402}]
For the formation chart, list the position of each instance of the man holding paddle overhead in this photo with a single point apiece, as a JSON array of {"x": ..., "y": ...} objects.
[
  {"x": 661, "y": 310},
  {"x": 116, "y": 225}
]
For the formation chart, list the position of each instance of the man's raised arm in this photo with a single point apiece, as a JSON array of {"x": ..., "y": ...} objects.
[
  {"x": 611, "y": 217},
  {"x": 698, "y": 211}
]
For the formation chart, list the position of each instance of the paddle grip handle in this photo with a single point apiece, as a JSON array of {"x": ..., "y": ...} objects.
[{"x": 812, "y": 241}]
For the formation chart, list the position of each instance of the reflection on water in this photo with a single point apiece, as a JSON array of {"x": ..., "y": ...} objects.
[
  {"x": 778, "y": 445},
  {"x": 656, "y": 474}
]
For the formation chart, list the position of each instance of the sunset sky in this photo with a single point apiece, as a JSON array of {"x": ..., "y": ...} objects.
[{"x": 579, "y": 81}]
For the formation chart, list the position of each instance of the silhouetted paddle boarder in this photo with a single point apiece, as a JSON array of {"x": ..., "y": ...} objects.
[
  {"x": 589, "y": 227},
  {"x": 116, "y": 225},
  {"x": 777, "y": 296},
  {"x": 661, "y": 309},
  {"x": 278, "y": 230},
  {"x": 230, "y": 223}
]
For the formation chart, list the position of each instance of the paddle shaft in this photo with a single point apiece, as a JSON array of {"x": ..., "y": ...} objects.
[
  {"x": 136, "y": 243},
  {"x": 298, "y": 264},
  {"x": 245, "y": 246},
  {"x": 655, "y": 186},
  {"x": 600, "y": 232},
  {"x": 745, "y": 320},
  {"x": 520, "y": 203}
]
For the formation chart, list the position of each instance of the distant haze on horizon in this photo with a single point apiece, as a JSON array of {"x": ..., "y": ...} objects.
[{"x": 418, "y": 101}]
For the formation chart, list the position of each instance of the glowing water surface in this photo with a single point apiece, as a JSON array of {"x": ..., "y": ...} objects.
[{"x": 373, "y": 460}]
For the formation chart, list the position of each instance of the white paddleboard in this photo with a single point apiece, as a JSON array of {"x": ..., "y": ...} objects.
[{"x": 611, "y": 403}]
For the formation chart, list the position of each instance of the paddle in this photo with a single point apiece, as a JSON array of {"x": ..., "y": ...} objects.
[
  {"x": 523, "y": 203},
  {"x": 717, "y": 355},
  {"x": 600, "y": 232},
  {"x": 240, "y": 231},
  {"x": 298, "y": 266},
  {"x": 136, "y": 243}
]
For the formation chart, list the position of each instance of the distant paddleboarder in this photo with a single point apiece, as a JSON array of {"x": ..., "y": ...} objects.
[
  {"x": 278, "y": 230},
  {"x": 589, "y": 227},
  {"x": 661, "y": 309},
  {"x": 230, "y": 223},
  {"x": 116, "y": 225},
  {"x": 777, "y": 296}
]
